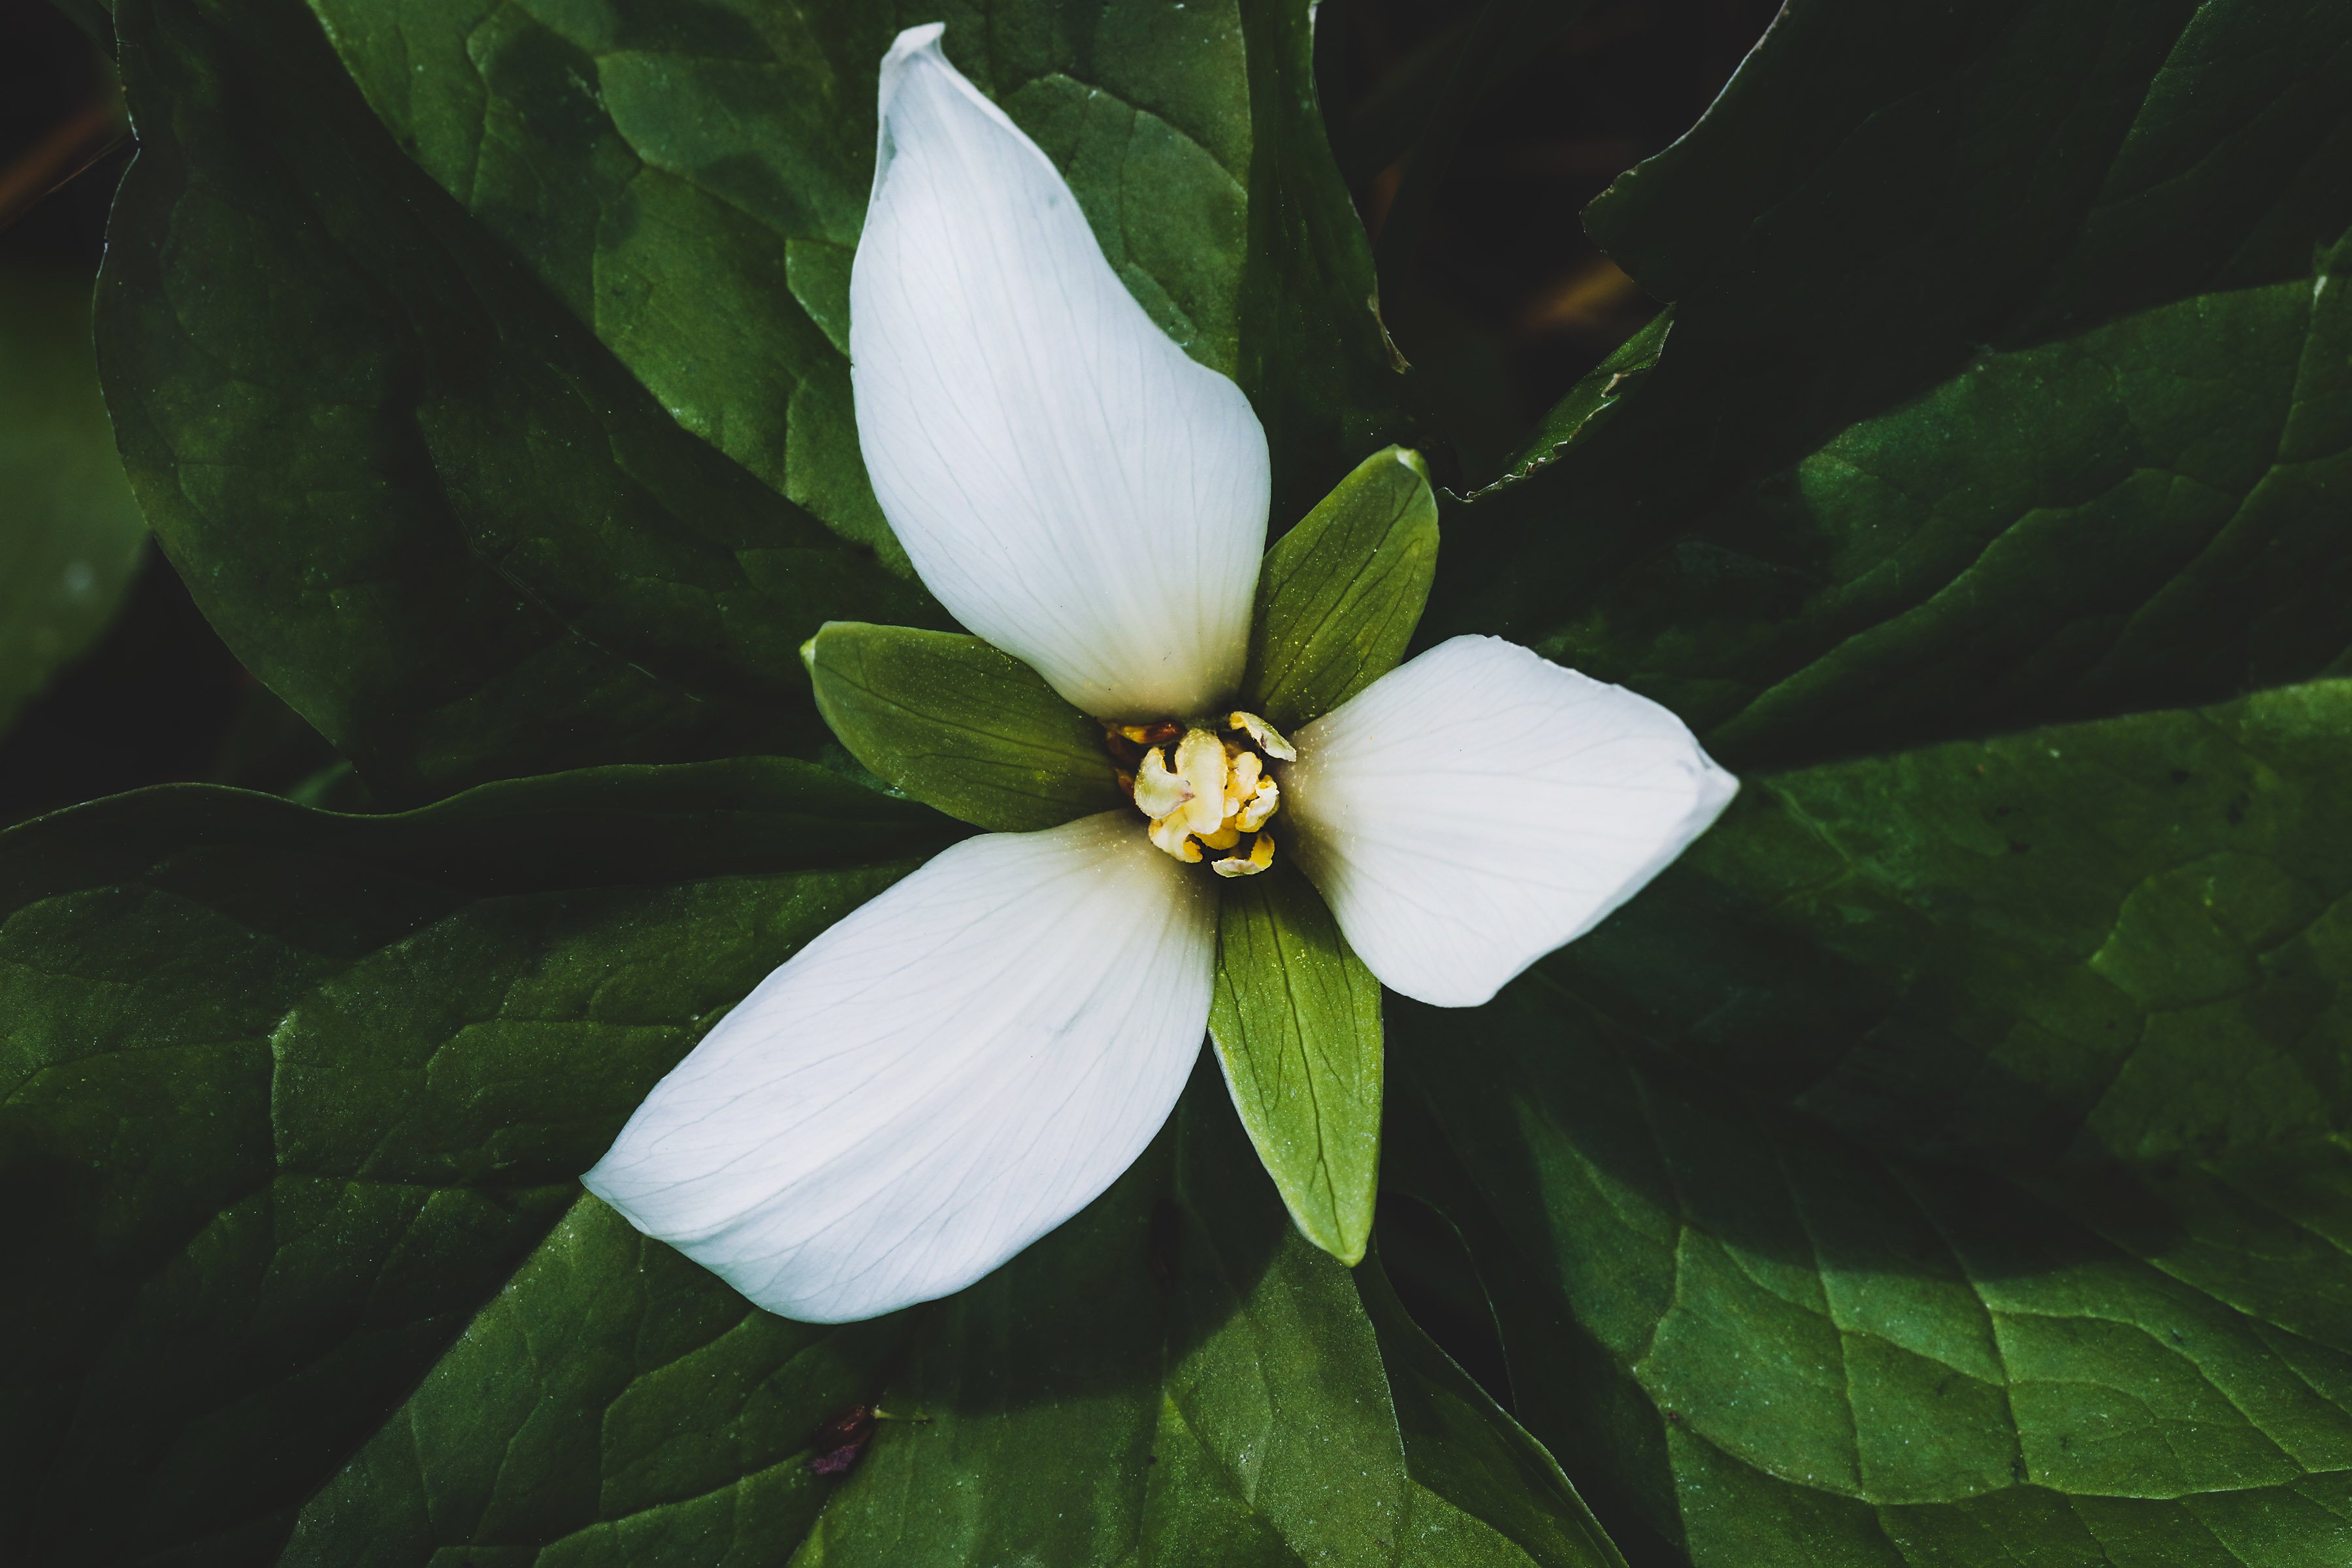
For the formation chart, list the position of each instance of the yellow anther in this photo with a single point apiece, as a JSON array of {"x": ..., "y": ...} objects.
[
  {"x": 1209, "y": 790},
  {"x": 1241, "y": 781},
  {"x": 1200, "y": 759},
  {"x": 1260, "y": 856},
  {"x": 1263, "y": 802},
  {"x": 1269, "y": 739},
  {"x": 1172, "y": 835},
  {"x": 1159, "y": 791}
]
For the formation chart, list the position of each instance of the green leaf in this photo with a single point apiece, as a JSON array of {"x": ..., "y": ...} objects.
[
  {"x": 1296, "y": 1023},
  {"x": 2022, "y": 951},
  {"x": 613, "y": 1403},
  {"x": 291, "y": 1106},
  {"x": 2140, "y": 515},
  {"x": 1875, "y": 188},
  {"x": 70, "y": 535},
  {"x": 2004, "y": 382},
  {"x": 285, "y": 1097},
  {"x": 1471, "y": 1461},
  {"x": 961, "y": 726},
  {"x": 1172, "y": 1371},
  {"x": 1942, "y": 1164},
  {"x": 1339, "y": 594},
  {"x": 690, "y": 179},
  {"x": 439, "y": 518}
]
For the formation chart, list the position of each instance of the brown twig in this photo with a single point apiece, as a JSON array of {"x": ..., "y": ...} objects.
[{"x": 95, "y": 130}]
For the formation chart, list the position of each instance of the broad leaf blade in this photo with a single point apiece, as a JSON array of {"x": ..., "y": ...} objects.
[
  {"x": 2024, "y": 950},
  {"x": 1339, "y": 594},
  {"x": 615, "y": 1404},
  {"x": 438, "y": 518},
  {"x": 1296, "y": 1023},
  {"x": 1999, "y": 1199},
  {"x": 1978, "y": 208},
  {"x": 961, "y": 726},
  {"x": 291, "y": 1098},
  {"x": 1173, "y": 1377},
  {"x": 288, "y": 1096},
  {"x": 2142, "y": 515}
]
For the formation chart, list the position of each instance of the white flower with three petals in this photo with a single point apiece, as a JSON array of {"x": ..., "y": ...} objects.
[{"x": 963, "y": 1063}]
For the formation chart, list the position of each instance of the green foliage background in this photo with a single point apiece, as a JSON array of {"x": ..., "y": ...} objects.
[{"x": 1943, "y": 1165}]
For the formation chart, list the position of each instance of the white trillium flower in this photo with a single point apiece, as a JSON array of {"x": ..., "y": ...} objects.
[{"x": 964, "y": 1062}]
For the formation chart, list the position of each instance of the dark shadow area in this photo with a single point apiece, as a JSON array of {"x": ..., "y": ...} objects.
[
  {"x": 159, "y": 699},
  {"x": 1436, "y": 1279},
  {"x": 1505, "y": 301},
  {"x": 151, "y": 704},
  {"x": 55, "y": 109}
]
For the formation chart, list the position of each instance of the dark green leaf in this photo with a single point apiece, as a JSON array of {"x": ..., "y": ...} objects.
[
  {"x": 961, "y": 726},
  {"x": 1339, "y": 594},
  {"x": 1296, "y": 1023},
  {"x": 70, "y": 535},
  {"x": 690, "y": 179},
  {"x": 1999, "y": 357},
  {"x": 290, "y": 1098},
  {"x": 2142, "y": 514},
  {"x": 613, "y": 1404},
  {"x": 442, "y": 521},
  {"x": 1172, "y": 1376},
  {"x": 1942, "y": 1164},
  {"x": 285, "y": 1097},
  {"x": 2021, "y": 951},
  {"x": 1470, "y": 1460},
  {"x": 1879, "y": 187}
]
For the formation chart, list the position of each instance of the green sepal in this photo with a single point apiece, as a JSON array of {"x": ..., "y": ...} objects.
[
  {"x": 1297, "y": 1022},
  {"x": 959, "y": 725},
  {"x": 1340, "y": 596}
]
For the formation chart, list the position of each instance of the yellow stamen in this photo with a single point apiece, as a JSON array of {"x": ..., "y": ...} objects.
[
  {"x": 1263, "y": 802},
  {"x": 1269, "y": 739},
  {"x": 1159, "y": 791},
  {"x": 1171, "y": 836},
  {"x": 1200, "y": 759},
  {"x": 1209, "y": 790},
  {"x": 1241, "y": 781},
  {"x": 1261, "y": 856}
]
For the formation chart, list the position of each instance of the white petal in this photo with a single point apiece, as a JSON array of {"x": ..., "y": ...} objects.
[
  {"x": 936, "y": 1082},
  {"x": 1072, "y": 487},
  {"x": 1479, "y": 806}
]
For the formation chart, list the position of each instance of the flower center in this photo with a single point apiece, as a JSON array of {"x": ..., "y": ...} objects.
[{"x": 1205, "y": 786}]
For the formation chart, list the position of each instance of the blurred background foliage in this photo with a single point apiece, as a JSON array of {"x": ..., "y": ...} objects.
[
  {"x": 1472, "y": 134},
  {"x": 108, "y": 677}
]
